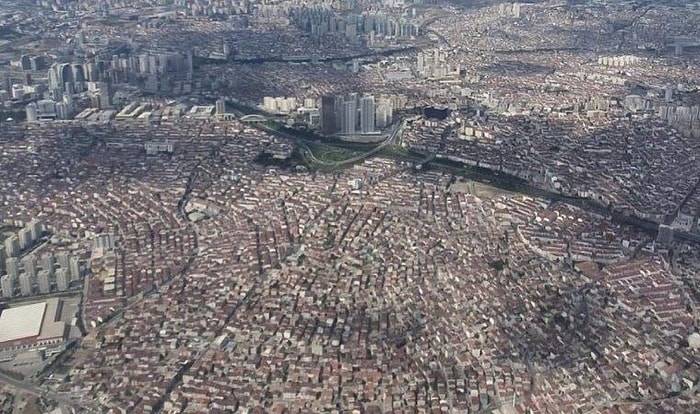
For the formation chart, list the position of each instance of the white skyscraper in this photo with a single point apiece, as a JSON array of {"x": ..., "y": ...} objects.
[
  {"x": 74, "y": 268},
  {"x": 384, "y": 113},
  {"x": 62, "y": 111},
  {"x": 47, "y": 263},
  {"x": 25, "y": 284},
  {"x": 44, "y": 282},
  {"x": 12, "y": 246},
  {"x": 36, "y": 228},
  {"x": 6, "y": 285},
  {"x": 62, "y": 280},
  {"x": 348, "y": 119},
  {"x": 25, "y": 238},
  {"x": 29, "y": 265},
  {"x": 63, "y": 260},
  {"x": 32, "y": 115},
  {"x": 220, "y": 106},
  {"x": 12, "y": 266},
  {"x": 367, "y": 114}
]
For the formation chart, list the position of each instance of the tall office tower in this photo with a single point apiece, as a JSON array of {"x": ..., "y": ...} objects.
[
  {"x": 163, "y": 60},
  {"x": 31, "y": 111},
  {"x": 29, "y": 265},
  {"x": 152, "y": 65},
  {"x": 102, "y": 95},
  {"x": 220, "y": 106},
  {"x": 47, "y": 263},
  {"x": 668, "y": 94},
  {"x": 36, "y": 228},
  {"x": 37, "y": 63},
  {"x": 348, "y": 121},
  {"x": 25, "y": 284},
  {"x": 62, "y": 111},
  {"x": 420, "y": 63},
  {"x": 115, "y": 62},
  {"x": 143, "y": 64},
  {"x": 12, "y": 266},
  {"x": 367, "y": 114},
  {"x": 25, "y": 238},
  {"x": 516, "y": 10},
  {"x": 62, "y": 280},
  {"x": 338, "y": 106},
  {"x": 44, "y": 282},
  {"x": 328, "y": 119},
  {"x": 384, "y": 112},
  {"x": 54, "y": 77},
  {"x": 74, "y": 268},
  {"x": 12, "y": 246},
  {"x": 78, "y": 73},
  {"x": 133, "y": 63},
  {"x": 69, "y": 88},
  {"x": 63, "y": 260},
  {"x": 7, "y": 286},
  {"x": 102, "y": 67},
  {"x": 91, "y": 72},
  {"x": 65, "y": 74}
]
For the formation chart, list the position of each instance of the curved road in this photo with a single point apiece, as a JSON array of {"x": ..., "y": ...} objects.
[{"x": 391, "y": 138}]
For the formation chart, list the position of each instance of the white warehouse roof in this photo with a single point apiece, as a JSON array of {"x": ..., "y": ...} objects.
[{"x": 21, "y": 322}]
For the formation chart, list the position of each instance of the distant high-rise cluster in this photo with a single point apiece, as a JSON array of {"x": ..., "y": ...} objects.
[
  {"x": 510, "y": 10},
  {"x": 220, "y": 106},
  {"x": 283, "y": 105},
  {"x": 46, "y": 109},
  {"x": 155, "y": 72},
  {"x": 618, "y": 61},
  {"x": 321, "y": 21},
  {"x": 34, "y": 275},
  {"x": 26, "y": 62},
  {"x": 66, "y": 77},
  {"x": 31, "y": 274},
  {"x": 433, "y": 64},
  {"x": 354, "y": 114}
]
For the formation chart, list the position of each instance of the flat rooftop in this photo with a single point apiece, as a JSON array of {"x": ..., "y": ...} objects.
[{"x": 21, "y": 322}]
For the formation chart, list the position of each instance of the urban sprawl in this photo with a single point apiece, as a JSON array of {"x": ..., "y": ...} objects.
[{"x": 349, "y": 206}]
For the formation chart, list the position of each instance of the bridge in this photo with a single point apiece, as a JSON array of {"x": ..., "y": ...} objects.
[{"x": 253, "y": 119}]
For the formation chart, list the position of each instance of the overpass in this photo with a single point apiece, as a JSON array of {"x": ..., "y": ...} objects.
[{"x": 253, "y": 119}]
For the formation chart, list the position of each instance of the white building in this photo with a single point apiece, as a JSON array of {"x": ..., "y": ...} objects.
[{"x": 367, "y": 114}]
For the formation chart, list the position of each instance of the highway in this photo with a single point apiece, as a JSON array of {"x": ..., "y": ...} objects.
[
  {"x": 396, "y": 131},
  {"x": 497, "y": 179}
]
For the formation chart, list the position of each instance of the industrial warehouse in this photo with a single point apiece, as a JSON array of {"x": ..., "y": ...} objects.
[{"x": 34, "y": 326}]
